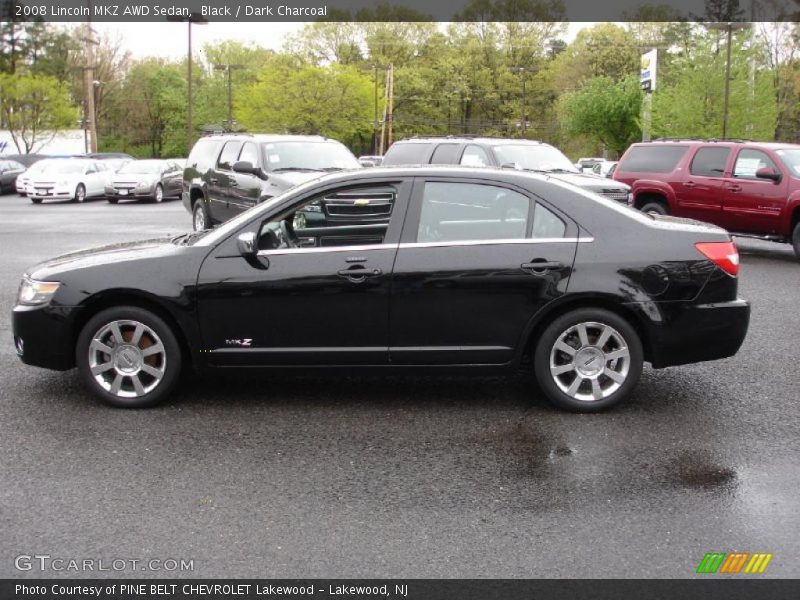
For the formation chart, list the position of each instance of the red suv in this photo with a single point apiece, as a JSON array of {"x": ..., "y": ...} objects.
[{"x": 749, "y": 188}]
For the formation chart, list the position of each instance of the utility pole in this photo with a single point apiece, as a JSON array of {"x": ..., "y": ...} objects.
[
  {"x": 375, "y": 122},
  {"x": 728, "y": 28},
  {"x": 390, "y": 113},
  {"x": 198, "y": 19},
  {"x": 524, "y": 111},
  {"x": 227, "y": 68},
  {"x": 90, "y": 113},
  {"x": 385, "y": 112}
]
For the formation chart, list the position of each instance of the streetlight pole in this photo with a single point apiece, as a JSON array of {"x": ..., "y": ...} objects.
[{"x": 227, "y": 67}]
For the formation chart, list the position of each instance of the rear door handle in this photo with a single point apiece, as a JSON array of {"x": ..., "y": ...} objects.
[
  {"x": 690, "y": 184},
  {"x": 734, "y": 188},
  {"x": 541, "y": 266},
  {"x": 213, "y": 180}
]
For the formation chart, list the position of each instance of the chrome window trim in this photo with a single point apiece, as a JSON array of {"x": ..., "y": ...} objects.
[{"x": 409, "y": 245}]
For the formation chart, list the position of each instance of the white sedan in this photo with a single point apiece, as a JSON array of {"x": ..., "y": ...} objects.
[{"x": 69, "y": 179}]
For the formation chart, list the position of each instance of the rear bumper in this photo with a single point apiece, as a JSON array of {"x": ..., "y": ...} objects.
[
  {"x": 43, "y": 336},
  {"x": 689, "y": 333}
]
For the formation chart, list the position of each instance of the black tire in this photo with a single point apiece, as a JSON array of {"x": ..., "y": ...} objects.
[
  {"x": 595, "y": 365},
  {"x": 80, "y": 193},
  {"x": 158, "y": 194},
  {"x": 796, "y": 239},
  {"x": 200, "y": 214},
  {"x": 130, "y": 360},
  {"x": 36, "y": 200},
  {"x": 655, "y": 207},
  {"x": 112, "y": 200}
]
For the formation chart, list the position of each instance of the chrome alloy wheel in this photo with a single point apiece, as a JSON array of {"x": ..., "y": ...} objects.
[
  {"x": 159, "y": 193},
  {"x": 199, "y": 219},
  {"x": 590, "y": 361},
  {"x": 127, "y": 359}
]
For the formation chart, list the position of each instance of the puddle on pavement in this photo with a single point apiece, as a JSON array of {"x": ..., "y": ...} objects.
[{"x": 697, "y": 472}]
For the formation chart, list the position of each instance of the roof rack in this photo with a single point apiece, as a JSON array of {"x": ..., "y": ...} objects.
[
  {"x": 466, "y": 136},
  {"x": 708, "y": 140}
]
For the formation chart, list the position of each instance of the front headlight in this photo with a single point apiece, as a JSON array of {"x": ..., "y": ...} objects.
[
  {"x": 143, "y": 183},
  {"x": 35, "y": 293}
]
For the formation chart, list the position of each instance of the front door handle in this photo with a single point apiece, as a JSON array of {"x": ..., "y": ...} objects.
[
  {"x": 213, "y": 180},
  {"x": 537, "y": 267},
  {"x": 358, "y": 274},
  {"x": 690, "y": 184},
  {"x": 734, "y": 188}
]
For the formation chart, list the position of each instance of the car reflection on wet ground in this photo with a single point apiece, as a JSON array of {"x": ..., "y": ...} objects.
[{"x": 297, "y": 476}]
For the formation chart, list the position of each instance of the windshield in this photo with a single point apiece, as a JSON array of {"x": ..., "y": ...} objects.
[
  {"x": 142, "y": 167},
  {"x": 66, "y": 167},
  {"x": 791, "y": 158},
  {"x": 315, "y": 156},
  {"x": 534, "y": 158}
]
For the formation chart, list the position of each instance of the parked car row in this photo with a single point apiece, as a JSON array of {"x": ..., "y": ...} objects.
[{"x": 114, "y": 176}]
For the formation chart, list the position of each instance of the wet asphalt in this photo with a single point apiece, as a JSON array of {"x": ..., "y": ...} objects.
[{"x": 297, "y": 476}]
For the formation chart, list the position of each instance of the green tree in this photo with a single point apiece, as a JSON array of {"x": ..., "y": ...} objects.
[
  {"x": 605, "y": 111},
  {"x": 690, "y": 101},
  {"x": 35, "y": 109},
  {"x": 335, "y": 101}
]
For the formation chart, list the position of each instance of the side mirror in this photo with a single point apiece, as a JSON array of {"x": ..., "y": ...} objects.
[
  {"x": 244, "y": 166},
  {"x": 246, "y": 242},
  {"x": 768, "y": 173}
]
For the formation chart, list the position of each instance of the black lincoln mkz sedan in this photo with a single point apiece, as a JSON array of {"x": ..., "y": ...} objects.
[{"x": 485, "y": 269}]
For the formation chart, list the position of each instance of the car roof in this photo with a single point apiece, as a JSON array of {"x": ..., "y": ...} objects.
[
  {"x": 696, "y": 142},
  {"x": 470, "y": 140},
  {"x": 269, "y": 137}
]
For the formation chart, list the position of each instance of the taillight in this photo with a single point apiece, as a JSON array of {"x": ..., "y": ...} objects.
[{"x": 723, "y": 254}]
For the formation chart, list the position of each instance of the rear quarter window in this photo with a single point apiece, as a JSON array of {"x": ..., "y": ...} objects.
[
  {"x": 204, "y": 155},
  {"x": 652, "y": 159},
  {"x": 407, "y": 154}
]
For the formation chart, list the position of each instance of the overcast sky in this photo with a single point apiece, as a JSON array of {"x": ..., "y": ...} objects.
[{"x": 168, "y": 40}]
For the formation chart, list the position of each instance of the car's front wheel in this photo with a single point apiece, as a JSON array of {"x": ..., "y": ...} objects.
[
  {"x": 80, "y": 193},
  {"x": 36, "y": 200},
  {"x": 200, "y": 220},
  {"x": 588, "y": 360},
  {"x": 129, "y": 357},
  {"x": 796, "y": 239},
  {"x": 158, "y": 195},
  {"x": 656, "y": 207}
]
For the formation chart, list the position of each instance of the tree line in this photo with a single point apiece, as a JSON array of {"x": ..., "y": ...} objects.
[{"x": 477, "y": 77}]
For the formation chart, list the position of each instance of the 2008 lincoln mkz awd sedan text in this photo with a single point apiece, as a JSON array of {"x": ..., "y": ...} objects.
[{"x": 417, "y": 268}]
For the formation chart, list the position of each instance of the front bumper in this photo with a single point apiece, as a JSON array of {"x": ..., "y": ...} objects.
[
  {"x": 690, "y": 333},
  {"x": 134, "y": 194},
  {"x": 50, "y": 193},
  {"x": 43, "y": 336}
]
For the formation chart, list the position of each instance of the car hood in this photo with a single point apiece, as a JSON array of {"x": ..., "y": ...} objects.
[
  {"x": 105, "y": 255},
  {"x": 293, "y": 178},
  {"x": 594, "y": 183}
]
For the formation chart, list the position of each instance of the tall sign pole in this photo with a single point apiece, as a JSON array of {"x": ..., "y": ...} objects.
[{"x": 647, "y": 78}]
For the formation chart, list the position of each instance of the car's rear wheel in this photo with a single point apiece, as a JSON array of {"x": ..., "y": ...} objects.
[
  {"x": 200, "y": 220},
  {"x": 588, "y": 360},
  {"x": 129, "y": 357},
  {"x": 655, "y": 207},
  {"x": 36, "y": 200},
  {"x": 796, "y": 239},
  {"x": 112, "y": 200},
  {"x": 158, "y": 196},
  {"x": 80, "y": 193}
]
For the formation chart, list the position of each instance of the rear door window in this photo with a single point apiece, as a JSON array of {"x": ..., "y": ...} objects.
[
  {"x": 453, "y": 212},
  {"x": 653, "y": 159},
  {"x": 445, "y": 154},
  {"x": 710, "y": 162}
]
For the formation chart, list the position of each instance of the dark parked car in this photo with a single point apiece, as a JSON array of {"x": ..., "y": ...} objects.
[
  {"x": 9, "y": 171},
  {"x": 749, "y": 188},
  {"x": 483, "y": 269},
  {"x": 24, "y": 159},
  {"x": 106, "y": 155},
  {"x": 525, "y": 155},
  {"x": 227, "y": 174},
  {"x": 151, "y": 180}
]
